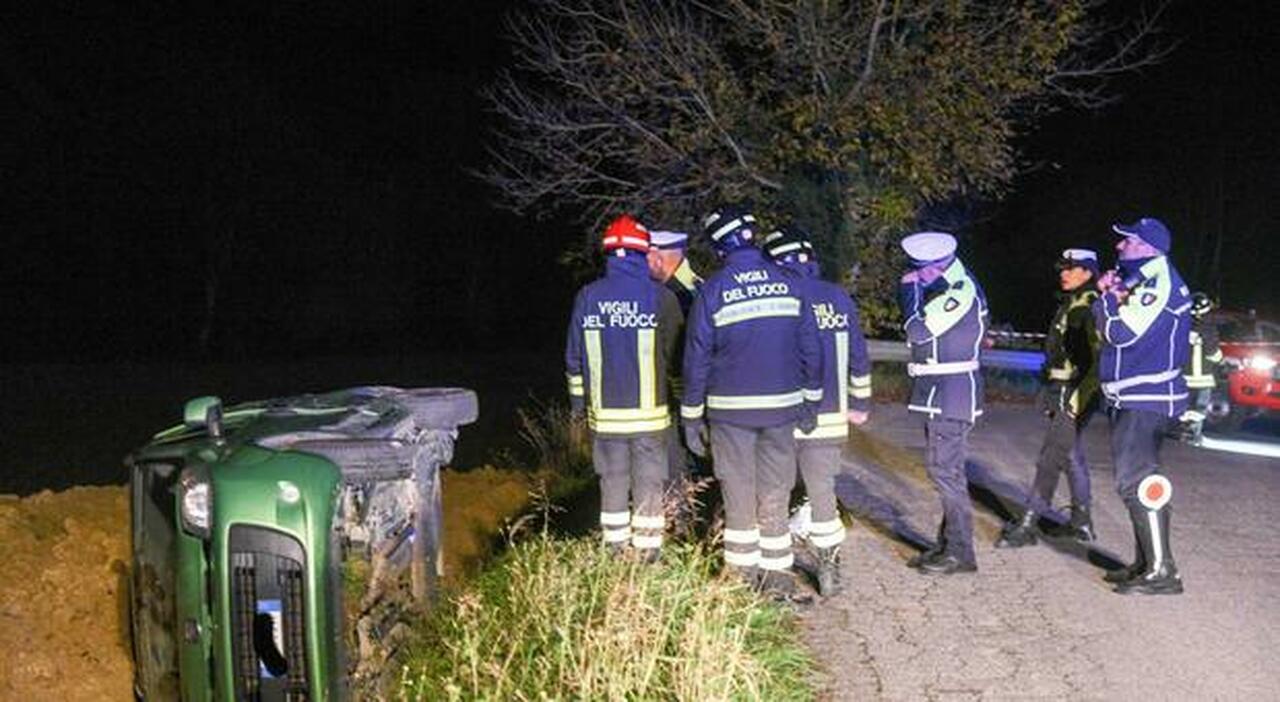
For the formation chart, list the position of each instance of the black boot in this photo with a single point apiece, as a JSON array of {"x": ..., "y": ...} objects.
[
  {"x": 1160, "y": 576},
  {"x": 1139, "y": 560},
  {"x": 1019, "y": 534},
  {"x": 1081, "y": 524},
  {"x": 933, "y": 552},
  {"x": 829, "y": 571}
]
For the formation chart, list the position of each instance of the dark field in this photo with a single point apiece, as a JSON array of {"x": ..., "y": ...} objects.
[{"x": 71, "y": 424}]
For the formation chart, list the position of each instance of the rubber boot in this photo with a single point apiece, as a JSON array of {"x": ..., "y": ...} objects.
[
  {"x": 1081, "y": 524},
  {"x": 1160, "y": 577},
  {"x": 829, "y": 571},
  {"x": 1023, "y": 533},
  {"x": 1139, "y": 560},
  {"x": 778, "y": 584}
]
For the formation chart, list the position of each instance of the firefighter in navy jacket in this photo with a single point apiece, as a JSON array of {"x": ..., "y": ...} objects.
[
  {"x": 1143, "y": 316},
  {"x": 621, "y": 338},
  {"x": 752, "y": 371},
  {"x": 846, "y": 395},
  {"x": 945, "y": 313},
  {"x": 1070, "y": 396}
]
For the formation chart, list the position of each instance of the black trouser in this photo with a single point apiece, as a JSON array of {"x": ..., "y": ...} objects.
[
  {"x": 1136, "y": 436},
  {"x": 756, "y": 468},
  {"x": 1061, "y": 452},
  {"x": 946, "y": 448}
]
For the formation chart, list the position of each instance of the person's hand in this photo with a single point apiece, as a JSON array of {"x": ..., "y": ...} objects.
[
  {"x": 857, "y": 417},
  {"x": 808, "y": 419},
  {"x": 695, "y": 437}
]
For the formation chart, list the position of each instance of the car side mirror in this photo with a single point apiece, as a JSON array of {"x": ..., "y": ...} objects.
[{"x": 204, "y": 412}]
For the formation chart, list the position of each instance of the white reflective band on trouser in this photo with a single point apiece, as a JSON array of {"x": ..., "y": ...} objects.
[
  {"x": 615, "y": 519},
  {"x": 647, "y": 541},
  {"x": 617, "y": 536},
  {"x": 860, "y": 393},
  {"x": 779, "y": 563},
  {"x": 786, "y": 399},
  {"x": 641, "y": 521},
  {"x": 688, "y": 412},
  {"x": 1199, "y": 382},
  {"x": 576, "y": 387},
  {"x": 1063, "y": 374},
  {"x": 756, "y": 309},
  {"x": 917, "y": 369},
  {"x": 1114, "y": 387},
  {"x": 742, "y": 560},
  {"x": 775, "y": 543},
  {"x": 835, "y": 538},
  {"x": 812, "y": 395},
  {"x": 742, "y": 536}
]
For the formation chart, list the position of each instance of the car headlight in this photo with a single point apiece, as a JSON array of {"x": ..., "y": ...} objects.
[
  {"x": 1262, "y": 363},
  {"x": 196, "y": 504}
]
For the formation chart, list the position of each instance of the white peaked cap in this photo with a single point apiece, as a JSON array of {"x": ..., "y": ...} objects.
[
  {"x": 929, "y": 246},
  {"x": 668, "y": 240}
]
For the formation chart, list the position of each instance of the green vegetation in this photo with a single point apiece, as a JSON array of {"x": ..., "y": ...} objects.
[{"x": 561, "y": 619}]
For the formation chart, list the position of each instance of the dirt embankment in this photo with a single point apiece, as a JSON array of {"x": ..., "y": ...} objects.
[{"x": 64, "y": 557}]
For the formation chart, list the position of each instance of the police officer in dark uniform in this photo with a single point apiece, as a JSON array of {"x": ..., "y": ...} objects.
[
  {"x": 1070, "y": 398},
  {"x": 752, "y": 372},
  {"x": 1202, "y": 368},
  {"x": 1143, "y": 316},
  {"x": 946, "y": 318},
  {"x": 669, "y": 265},
  {"x": 621, "y": 337}
]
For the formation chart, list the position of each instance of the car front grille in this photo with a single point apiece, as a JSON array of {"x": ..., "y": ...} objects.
[{"x": 268, "y": 616}]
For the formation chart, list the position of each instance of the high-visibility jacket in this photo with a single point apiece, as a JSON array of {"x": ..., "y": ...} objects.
[
  {"x": 1204, "y": 355},
  {"x": 684, "y": 284},
  {"x": 751, "y": 356},
  {"x": 946, "y": 321},
  {"x": 621, "y": 338},
  {"x": 846, "y": 365},
  {"x": 1071, "y": 351},
  {"x": 1146, "y": 340}
]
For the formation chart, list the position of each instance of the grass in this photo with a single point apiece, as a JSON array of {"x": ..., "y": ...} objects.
[
  {"x": 558, "y": 618},
  {"x": 562, "y": 619}
]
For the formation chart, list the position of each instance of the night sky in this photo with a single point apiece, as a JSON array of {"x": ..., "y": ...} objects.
[{"x": 300, "y": 169}]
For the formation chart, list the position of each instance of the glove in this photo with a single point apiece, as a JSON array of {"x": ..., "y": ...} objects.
[
  {"x": 808, "y": 419},
  {"x": 1052, "y": 398},
  {"x": 695, "y": 437}
]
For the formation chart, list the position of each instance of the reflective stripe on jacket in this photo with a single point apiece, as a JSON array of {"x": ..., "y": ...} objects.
[
  {"x": 620, "y": 342},
  {"x": 946, "y": 321},
  {"x": 1146, "y": 341},
  {"x": 751, "y": 357},
  {"x": 1071, "y": 350},
  {"x": 846, "y": 366}
]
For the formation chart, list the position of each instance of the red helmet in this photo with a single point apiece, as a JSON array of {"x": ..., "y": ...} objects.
[{"x": 625, "y": 233}]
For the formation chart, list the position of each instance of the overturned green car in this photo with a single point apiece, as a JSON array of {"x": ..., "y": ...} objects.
[{"x": 279, "y": 545}]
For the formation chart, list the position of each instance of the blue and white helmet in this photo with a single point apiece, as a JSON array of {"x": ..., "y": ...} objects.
[{"x": 729, "y": 227}]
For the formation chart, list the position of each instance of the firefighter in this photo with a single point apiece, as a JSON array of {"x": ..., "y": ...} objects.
[
  {"x": 752, "y": 372},
  {"x": 621, "y": 338},
  {"x": 1142, "y": 314},
  {"x": 846, "y": 396},
  {"x": 1070, "y": 398},
  {"x": 946, "y": 318},
  {"x": 1201, "y": 370}
]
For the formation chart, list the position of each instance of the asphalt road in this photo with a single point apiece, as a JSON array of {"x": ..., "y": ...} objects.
[{"x": 1038, "y": 622}]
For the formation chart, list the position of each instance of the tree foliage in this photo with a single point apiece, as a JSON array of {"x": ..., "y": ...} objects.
[{"x": 845, "y": 116}]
